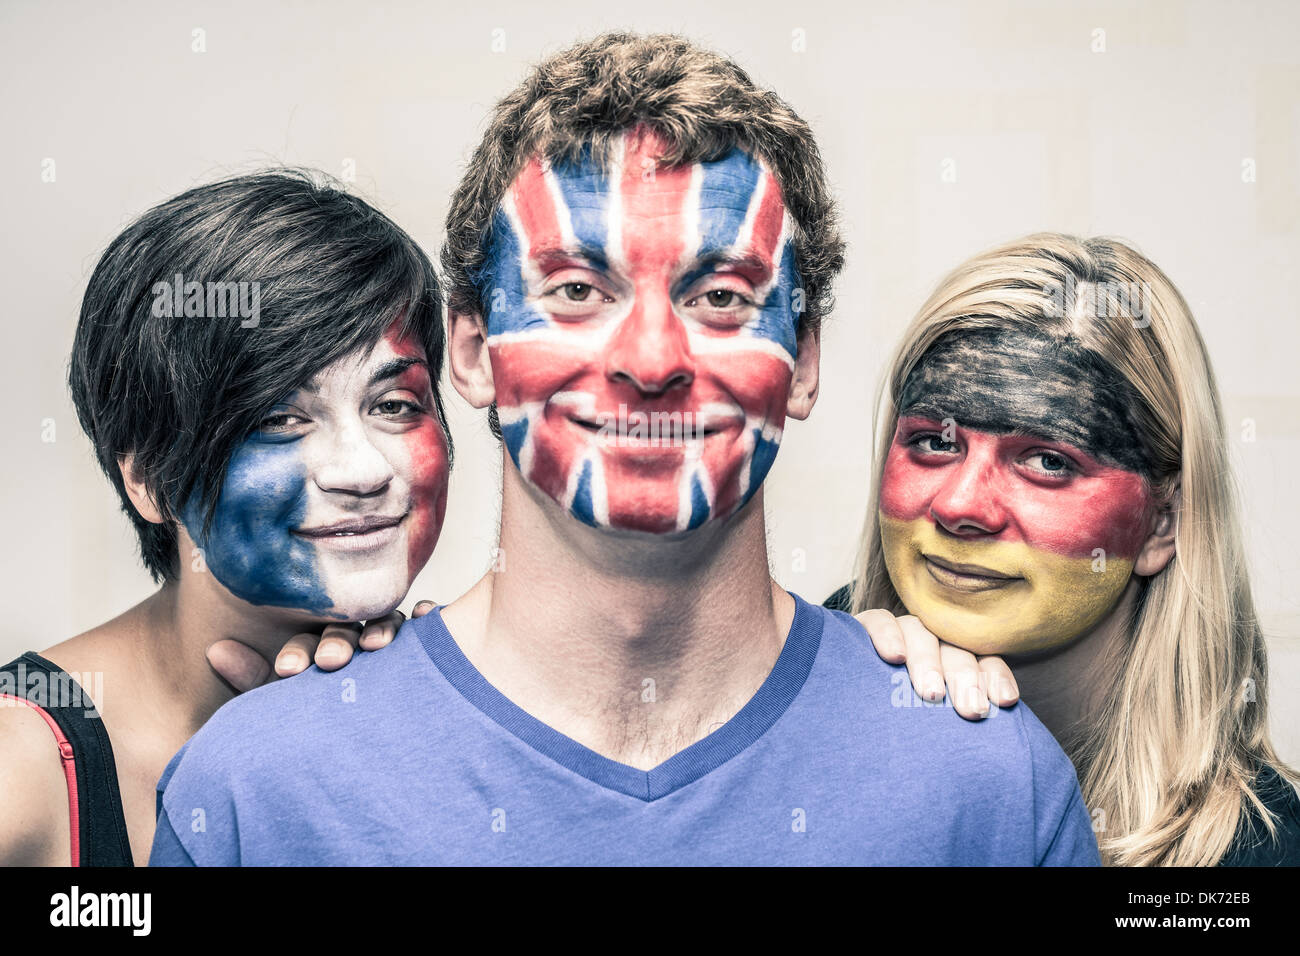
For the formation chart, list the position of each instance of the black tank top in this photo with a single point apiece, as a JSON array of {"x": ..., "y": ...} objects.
[{"x": 96, "y": 821}]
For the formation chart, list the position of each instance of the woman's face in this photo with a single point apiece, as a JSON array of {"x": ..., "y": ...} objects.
[
  {"x": 1013, "y": 503},
  {"x": 334, "y": 504}
]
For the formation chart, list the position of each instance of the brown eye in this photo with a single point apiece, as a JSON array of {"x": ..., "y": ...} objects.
[
  {"x": 279, "y": 422},
  {"x": 576, "y": 291},
  {"x": 721, "y": 298}
]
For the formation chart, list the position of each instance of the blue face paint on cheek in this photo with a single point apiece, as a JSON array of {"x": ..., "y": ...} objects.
[{"x": 250, "y": 548}]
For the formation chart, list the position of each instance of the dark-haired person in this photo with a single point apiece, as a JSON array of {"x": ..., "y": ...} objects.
[
  {"x": 639, "y": 256},
  {"x": 256, "y": 365}
]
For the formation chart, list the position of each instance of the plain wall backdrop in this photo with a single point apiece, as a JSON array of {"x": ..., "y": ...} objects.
[{"x": 946, "y": 128}]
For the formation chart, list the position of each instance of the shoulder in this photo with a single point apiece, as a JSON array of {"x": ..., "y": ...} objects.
[
  {"x": 850, "y": 672},
  {"x": 1253, "y": 845},
  {"x": 34, "y": 828},
  {"x": 1008, "y": 761},
  {"x": 299, "y": 721}
]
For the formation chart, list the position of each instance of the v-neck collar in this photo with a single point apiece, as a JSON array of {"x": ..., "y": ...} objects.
[{"x": 767, "y": 705}]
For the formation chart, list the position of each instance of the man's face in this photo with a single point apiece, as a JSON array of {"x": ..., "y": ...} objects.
[
  {"x": 1013, "y": 503},
  {"x": 642, "y": 334},
  {"x": 334, "y": 504}
]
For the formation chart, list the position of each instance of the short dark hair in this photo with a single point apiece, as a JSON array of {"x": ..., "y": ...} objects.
[
  {"x": 700, "y": 103},
  {"x": 180, "y": 394}
]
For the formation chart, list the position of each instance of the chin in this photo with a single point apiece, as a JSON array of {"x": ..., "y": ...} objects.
[
  {"x": 363, "y": 600},
  {"x": 1003, "y": 636}
]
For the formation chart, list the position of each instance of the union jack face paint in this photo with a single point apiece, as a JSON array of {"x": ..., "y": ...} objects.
[
  {"x": 334, "y": 504},
  {"x": 1015, "y": 498},
  {"x": 642, "y": 332}
]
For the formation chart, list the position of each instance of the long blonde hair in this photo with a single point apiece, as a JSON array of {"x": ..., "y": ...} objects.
[{"x": 1182, "y": 730}]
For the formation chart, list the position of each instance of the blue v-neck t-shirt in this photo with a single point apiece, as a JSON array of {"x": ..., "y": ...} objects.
[{"x": 409, "y": 756}]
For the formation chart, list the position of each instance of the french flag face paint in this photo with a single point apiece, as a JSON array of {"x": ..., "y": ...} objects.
[
  {"x": 642, "y": 331},
  {"x": 1011, "y": 513},
  {"x": 335, "y": 503}
]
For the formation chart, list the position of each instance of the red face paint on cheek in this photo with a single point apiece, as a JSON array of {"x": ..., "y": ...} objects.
[
  {"x": 427, "y": 447},
  {"x": 427, "y": 462},
  {"x": 981, "y": 490}
]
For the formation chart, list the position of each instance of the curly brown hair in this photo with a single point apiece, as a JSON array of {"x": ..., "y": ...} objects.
[{"x": 702, "y": 105}]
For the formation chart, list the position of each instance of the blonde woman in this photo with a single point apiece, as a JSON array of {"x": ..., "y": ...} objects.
[{"x": 1053, "y": 487}]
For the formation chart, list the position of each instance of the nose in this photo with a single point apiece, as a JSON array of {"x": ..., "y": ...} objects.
[
  {"x": 350, "y": 463},
  {"x": 650, "y": 349},
  {"x": 969, "y": 503}
]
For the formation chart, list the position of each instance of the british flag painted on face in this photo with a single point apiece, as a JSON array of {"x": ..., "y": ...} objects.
[{"x": 630, "y": 295}]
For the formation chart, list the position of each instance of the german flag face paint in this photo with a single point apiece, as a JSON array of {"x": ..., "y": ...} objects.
[{"x": 1014, "y": 499}]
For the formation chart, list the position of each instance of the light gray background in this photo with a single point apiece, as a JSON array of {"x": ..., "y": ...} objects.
[{"x": 1146, "y": 130}]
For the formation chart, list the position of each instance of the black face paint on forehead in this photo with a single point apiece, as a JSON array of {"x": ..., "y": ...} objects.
[{"x": 1016, "y": 380}]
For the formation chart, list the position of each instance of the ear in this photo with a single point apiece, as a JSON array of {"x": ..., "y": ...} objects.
[
  {"x": 1158, "y": 549},
  {"x": 141, "y": 497},
  {"x": 807, "y": 368},
  {"x": 469, "y": 364}
]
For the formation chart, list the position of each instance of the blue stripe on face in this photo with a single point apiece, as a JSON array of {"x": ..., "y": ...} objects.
[
  {"x": 501, "y": 288},
  {"x": 760, "y": 462},
  {"x": 513, "y": 435},
  {"x": 699, "y": 504},
  {"x": 585, "y": 189},
  {"x": 582, "y": 507},
  {"x": 726, "y": 188},
  {"x": 777, "y": 319},
  {"x": 249, "y": 548}
]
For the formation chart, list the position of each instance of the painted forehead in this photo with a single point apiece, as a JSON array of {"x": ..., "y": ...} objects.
[
  {"x": 1014, "y": 380},
  {"x": 631, "y": 216}
]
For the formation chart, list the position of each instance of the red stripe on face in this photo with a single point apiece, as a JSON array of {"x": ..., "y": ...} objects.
[
  {"x": 653, "y": 208},
  {"x": 767, "y": 223},
  {"x": 535, "y": 207},
  {"x": 994, "y": 486}
]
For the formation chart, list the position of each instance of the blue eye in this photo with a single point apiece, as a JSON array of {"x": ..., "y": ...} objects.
[
  {"x": 933, "y": 442},
  {"x": 1051, "y": 463}
]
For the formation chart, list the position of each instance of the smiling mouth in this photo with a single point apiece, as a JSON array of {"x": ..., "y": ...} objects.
[
  {"x": 350, "y": 534},
  {"x": 969, "y": 578},
  {"x": 658, "y": 428}
]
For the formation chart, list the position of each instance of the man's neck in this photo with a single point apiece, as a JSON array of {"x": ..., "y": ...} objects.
[{"x": 635, "y": 645}]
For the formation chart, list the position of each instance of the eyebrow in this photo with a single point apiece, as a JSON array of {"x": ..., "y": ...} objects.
[
  {"x": 708, "y": 263},
  {"x": 390, "y": 369},
  {"x": 592, "y": 255},
  {"x": 395, "y": 367}
]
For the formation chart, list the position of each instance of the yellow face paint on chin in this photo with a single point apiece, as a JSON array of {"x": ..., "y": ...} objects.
[{"x": 1043, "y": 601}]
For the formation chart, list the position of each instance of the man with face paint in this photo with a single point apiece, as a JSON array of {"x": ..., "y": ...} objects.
[
  {"x": 647, "y": 350},
  {"x": 639, "y": 256}
]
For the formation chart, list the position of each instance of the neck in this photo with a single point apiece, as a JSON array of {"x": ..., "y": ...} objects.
[
  {"x": 157, "y": 683},
  {"x": 636, "y": 645},
  {"x": 1066, "y": 688}
]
